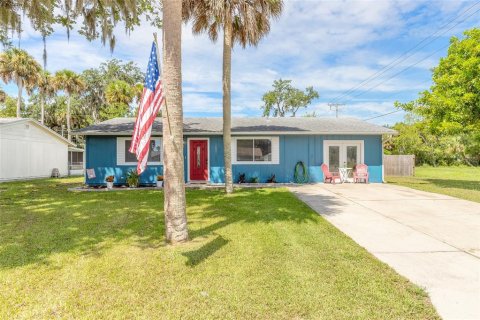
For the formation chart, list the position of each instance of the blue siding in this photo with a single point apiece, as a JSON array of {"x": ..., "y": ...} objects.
[{"x": 101, "y": 155}]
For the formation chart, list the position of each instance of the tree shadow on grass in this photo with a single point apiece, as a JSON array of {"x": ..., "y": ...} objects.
[
  {"x": 40, "y": 219},
  {"x": 197, "y": 256}
]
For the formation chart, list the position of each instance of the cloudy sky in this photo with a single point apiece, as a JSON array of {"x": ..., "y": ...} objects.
[{"x": 351, "y": 52}]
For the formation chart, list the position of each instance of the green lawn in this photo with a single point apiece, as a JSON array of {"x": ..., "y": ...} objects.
[
  {"x": 259, "y": 254},
  {"x": 460, "y": 182}
]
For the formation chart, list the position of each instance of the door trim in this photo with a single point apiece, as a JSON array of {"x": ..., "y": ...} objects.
[
  {"x": 327, "y": 143},
  {"x": 188, "y": 159}
]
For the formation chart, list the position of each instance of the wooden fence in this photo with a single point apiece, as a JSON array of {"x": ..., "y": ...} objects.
[{"x": 399, "y": 165}]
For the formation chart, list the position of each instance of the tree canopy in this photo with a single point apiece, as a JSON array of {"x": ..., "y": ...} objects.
[
  {"x": 286, "y": 100},
  {"x": 448, "y": 114},
  {"x": 96, "y": 19}
]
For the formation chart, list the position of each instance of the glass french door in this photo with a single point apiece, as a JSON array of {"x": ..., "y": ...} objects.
[{"x": 342, "y": 154}]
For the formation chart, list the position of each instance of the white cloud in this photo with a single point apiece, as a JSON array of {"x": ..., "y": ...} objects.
[{"x": 331, "y": 45}]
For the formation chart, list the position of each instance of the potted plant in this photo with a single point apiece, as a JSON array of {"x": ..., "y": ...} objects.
[
  {"x": 159, "y": 181},
  {"x": 133, "y": 179},
  {"x": 109, "y": 180}
]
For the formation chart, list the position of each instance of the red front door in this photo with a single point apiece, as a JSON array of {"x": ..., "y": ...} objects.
[{"x": 198, "y": 160}]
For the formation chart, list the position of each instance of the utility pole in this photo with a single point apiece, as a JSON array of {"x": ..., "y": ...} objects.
[{"x": 335, "y": 106}]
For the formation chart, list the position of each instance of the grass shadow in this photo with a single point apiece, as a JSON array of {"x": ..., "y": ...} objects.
[
  {"x": 195, "y": 257},
  {"x": 41, "y": 218}
]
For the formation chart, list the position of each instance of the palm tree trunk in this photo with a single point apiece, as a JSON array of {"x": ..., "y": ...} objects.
[
  {"x": 174, "y": 193},
  {"x": 227, "y": 101},
  {"x": 68, "y": 116},
  {"x": 42, "y": 109},
  {"x": 19, "y": 99}
]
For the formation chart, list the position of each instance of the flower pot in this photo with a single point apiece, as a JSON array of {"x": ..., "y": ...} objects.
[
  {"x": 159, "y": 184},
  {"x": 109, "y": 185}
]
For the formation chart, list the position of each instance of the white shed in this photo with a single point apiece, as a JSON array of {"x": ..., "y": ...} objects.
[{"x": 29, "y": 149}]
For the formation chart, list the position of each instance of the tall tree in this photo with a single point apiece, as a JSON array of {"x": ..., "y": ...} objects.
[
  {"x": 175, "y": 205},
  {"x": 71, "y": 83},
  {"x": 244, "y": 22},
  {"x": 452, "y": 104},
  {"x": 46, "y": 89},
  {"x": 18, "y": 66},
  {"x": 285, "y": 100}
]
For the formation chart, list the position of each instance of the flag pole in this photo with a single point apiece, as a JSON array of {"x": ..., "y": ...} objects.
[{"x": 161, "y": 74}]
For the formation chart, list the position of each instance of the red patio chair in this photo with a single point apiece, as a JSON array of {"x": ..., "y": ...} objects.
[
  {"x": 329, "y": 176},
  {"x": 360, "y": 173}
]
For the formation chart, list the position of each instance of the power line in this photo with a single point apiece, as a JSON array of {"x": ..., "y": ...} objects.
[
  {"x": 399, "y": 59},
  {"x": 401, "y": 71},
  {"x": 382, "y": 115}
]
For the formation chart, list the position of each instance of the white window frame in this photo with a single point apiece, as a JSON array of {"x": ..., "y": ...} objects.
[
  {"x": 343, "y": 145},
  {"x": 275, "y": 142},
  {"x": 121, "y": 152},
  {"x": 188, "y": 158}
]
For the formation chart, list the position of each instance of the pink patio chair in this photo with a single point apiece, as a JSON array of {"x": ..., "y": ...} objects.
[
  {"x": 329, "y": 176},
  {"x": 360, "y": 173}
]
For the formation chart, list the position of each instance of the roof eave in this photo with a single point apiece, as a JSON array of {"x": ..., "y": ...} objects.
[{"x": 125, "y": 133}]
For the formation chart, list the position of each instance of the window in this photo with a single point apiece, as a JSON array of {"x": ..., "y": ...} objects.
[
  {"x": 255, "y": 150},
  {"x": 75, "y": 157},
  {"x": 124, "y": 157}
]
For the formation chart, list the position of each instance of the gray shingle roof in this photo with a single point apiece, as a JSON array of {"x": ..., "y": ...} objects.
[{"x": 213, "y": 126}]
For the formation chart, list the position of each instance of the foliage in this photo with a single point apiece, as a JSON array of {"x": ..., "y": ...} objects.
[
  {"x": 456, "y": 181},
  {"x": 46, "y": 84},
  {"x": 250, "y": 19},
  {"x": 96, "y": 19},
  {"x": 133, "y": 178},
  {"x": 8, "y": 108},
  {"x": 452, "y": 105},
  {"x": 17, "y": 66},
  {"x": 102, "y": 255},
  {"x": 284, "y": 99},
  {"x": 119, "y": 95},
  {"x": 449, "y": 112},
  {"x": 69, "y": 82},
  {"x": 97, "y": 80},
  {"x": 429, "y": 148}
]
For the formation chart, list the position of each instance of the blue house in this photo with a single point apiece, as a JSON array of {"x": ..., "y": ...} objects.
[{"x": 261, "y": 147}]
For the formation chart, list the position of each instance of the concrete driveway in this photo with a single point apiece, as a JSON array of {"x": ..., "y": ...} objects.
[{"x": 431, "y": 239}]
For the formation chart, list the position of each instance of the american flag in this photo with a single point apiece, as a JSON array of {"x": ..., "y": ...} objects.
[{"x": 151, "y": 102}]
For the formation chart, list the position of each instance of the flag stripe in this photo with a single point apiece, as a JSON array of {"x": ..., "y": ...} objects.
[{"x": 151, "y": 102}]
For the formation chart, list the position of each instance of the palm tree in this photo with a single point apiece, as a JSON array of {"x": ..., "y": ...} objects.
[
  {"x": 71, "y": 83},
  {"x": 242, "y": 21},
  {"x": 118, "y": 95},
  {"x": 46, "y": 89},
  {"x": 174, "y": 194},
  {"x": 18, "y": 66}
]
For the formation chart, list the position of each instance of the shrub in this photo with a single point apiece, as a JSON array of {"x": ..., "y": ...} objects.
[{"x": 133, "y": 179}]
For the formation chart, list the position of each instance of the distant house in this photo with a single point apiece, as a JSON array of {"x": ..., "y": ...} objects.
[
  {"x": 260, "y": 147},
  {"x": 29, "y": 149}
]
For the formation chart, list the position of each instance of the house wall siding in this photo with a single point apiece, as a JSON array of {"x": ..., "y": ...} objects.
[
  {"x": 101, "y": 156},
  {"x": 27, "y": 151}
]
